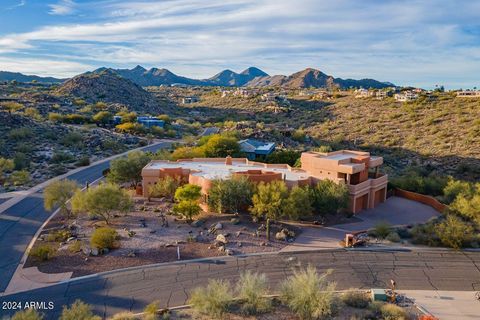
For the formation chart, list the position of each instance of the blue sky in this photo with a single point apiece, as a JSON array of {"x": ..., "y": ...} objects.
[{"x": 408, "y": 42}]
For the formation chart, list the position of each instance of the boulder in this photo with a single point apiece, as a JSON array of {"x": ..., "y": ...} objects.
[
  {"x": 94, "y": 252},
  {"x": 235, "y": 221},
  {"x": 281, "y": 235},
  {"x": 229, "y": 252},
  {"x": 218, "y": 226},
  {"x": 221, "y": 238}
]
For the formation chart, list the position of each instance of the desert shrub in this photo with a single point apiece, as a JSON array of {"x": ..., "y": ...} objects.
[
  {"x": 308, "y": 294},
  {"x": 19, "y": 178},
  {"x": 391, "y": 311},
  {"x": 455, "y": 188},
  {"x": 43, "y": 252},
  {"x": 213, "y": 300},
  {"x": 62, "y": 157},
  {"x": 251, "y": 288},
  {"x": 165, "y": 187},
  {"x": 381, "y": 230},
  {"x": 151, "y": 311},
  {"x": 393, "y": 237},
  {"x": 21, "y": 161},
  {"x": 283, "y": 156},
  {"x": 28, "y": 314},
  {"x": 83, "y": 161},
  {"x": 72, "y": 139},
  {"x": 124, "y": 316},
  {"x": 356, "y": 299},
  {"x": 75, "y": 246},
  {"x": 59, "y": 235},
  {"x": 329, "y": 197},
  {"x": 79, "y": 310},
  {"x": 425, "y": 234},
  {"x": 20, "y": 133},
  {"x": 103, "y": 238},
  {"x": 55, "y": 117},
  {"x": 425, "y": 184},
  {"x": 453, "y": 232}
]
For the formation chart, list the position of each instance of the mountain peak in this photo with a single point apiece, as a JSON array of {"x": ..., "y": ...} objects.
[
  {"x": 139, "y": 68},
  {"x": 254, "y": 72}
]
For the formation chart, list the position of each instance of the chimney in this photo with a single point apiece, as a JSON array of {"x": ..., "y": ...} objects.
[{"x": 228, "y": 161}]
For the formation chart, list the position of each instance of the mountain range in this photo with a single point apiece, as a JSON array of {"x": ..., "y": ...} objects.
[{"x": 250, "y": 77}]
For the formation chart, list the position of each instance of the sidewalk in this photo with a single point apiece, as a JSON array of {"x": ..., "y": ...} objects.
[{"x": 447, "y": 305}]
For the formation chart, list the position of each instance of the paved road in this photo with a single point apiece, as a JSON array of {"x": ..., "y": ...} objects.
[
  {"x": 134, "y": 288},
  {"x": 20, "y": 222}
]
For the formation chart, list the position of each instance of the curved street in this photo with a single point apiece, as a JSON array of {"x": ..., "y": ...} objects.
[
  {"x": 21, "y": 218},
  {"x": 134, "y": 288}
]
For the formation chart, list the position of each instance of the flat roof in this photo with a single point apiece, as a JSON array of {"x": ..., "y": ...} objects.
[{"x": 219, "y": 170}]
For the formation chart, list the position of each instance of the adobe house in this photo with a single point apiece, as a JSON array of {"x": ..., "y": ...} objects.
[{"x": 358, "y": 170}]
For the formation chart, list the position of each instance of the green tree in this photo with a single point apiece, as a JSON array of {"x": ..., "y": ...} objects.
[
  {"x": 188, "y": 192},
  {"x": 299, "y": 203},
  {"x": 165, "y": 187},
  {"x": 103, "y": 118},
  {"x": 457, "y": 187},
  {"x": 270, "y": 200},
  {"x": 453, "y": 232},
  {"x": 58, "y": 193},
  {"x": 187, "y": 197},
  {"x": 128, "y": 169},
  {"x": 221, "y": 146},
  {"x": 102, "y": 201},
  {"x": 329, "y": 197},
  {"x": 230, "y": 196},
  {"x": 289, "y": 157},
  {"x": 79, "y": 310},
  {"x": 187, "y": 153}
]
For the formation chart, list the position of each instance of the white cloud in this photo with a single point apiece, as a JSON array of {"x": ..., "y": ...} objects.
[
  {"x": 43, "y": 67},
  {"x": 388, "y": 40},
  {"x": 64, "y": 7},
  {"x": 21, "y": 3}
]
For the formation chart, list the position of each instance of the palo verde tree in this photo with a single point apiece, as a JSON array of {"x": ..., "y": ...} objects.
[
  {"x": 329, "y": 197},
  {"x": 102, "y": 201},
  {"x": 188, "y": 198},
  {"x": 58, "y": 193},
  {"x": 299, "y": 203},
  {"x": 230, "y": 196},
  {"x": 165, "y": 187},
  {"x": 270, "y": 200},
  {"x": 128, "y": 169},
  {"x": 5, "y": 166}
]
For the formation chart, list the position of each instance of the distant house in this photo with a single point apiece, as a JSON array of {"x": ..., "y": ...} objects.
[
  {"x": 149, "y": 122},
  {"x": 191, "y": 99},
  {"x": 255, "y": 149},
  {"x": 468, "y": 94},
  {"x": 364, "y": 93},
  {"x": 245, "y": 93},
  {"x": 146, "y": 121},
  {"x": 406, "y": 96},
  {"x": 382, "y": 94}
]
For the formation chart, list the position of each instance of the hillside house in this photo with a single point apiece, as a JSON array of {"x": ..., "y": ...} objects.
[
  {"x": 468, "y": 94},
  {"x": 190, "y": 99},
  {"x": 406, "y": 96},
  {"x": 255, "y": 149},
  {"x": 364, "y": 93},
  {"x": 367, "y": 187},
  {"x": 146, "y": 121}
]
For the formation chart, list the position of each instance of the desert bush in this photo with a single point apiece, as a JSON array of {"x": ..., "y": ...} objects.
[
  {"x": 308, "y": 294},
  {"x": 59, "y": 235},
  {"x": 79, "y": 310},
  {"x": 57, "y": 194},
  {"x": 124, "y": 316},
  {"x": 425, "y": 234},
  {"x": 213, "y": 300},
  {"x": 151, "y": 311},
  {"x": 453, "y": 232},
  {"x": 165, "y": 187},
  {"x": 19, "y": 178},
  {"x": 251, "y": 288},
  {"x": 391, "y": 311},
  {"x": 432, "y": 185},
  {"x": 329, "y": 197},
  {"x": 230, "y": 196},
  {"x": 75, "y": 246},
  {"x": 20, "y": 133},
  {"x": 43, "y": 252},
  {"x": 72, "y": 139},
  {"x": 83, "y": 161},
  {"x": 21, "y": 161},
  {"x": 104, "y": 238},
  {"x": 356, "y": 299},
  {"x": 28, "y": 314},
  {"x": 381, "y": 230},
  {"x": 393, "y": 237}
]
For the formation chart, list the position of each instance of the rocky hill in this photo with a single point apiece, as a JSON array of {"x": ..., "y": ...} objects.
[
  {"x": 108, "y": 86},
  {"x": 315, "y": 79}
]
